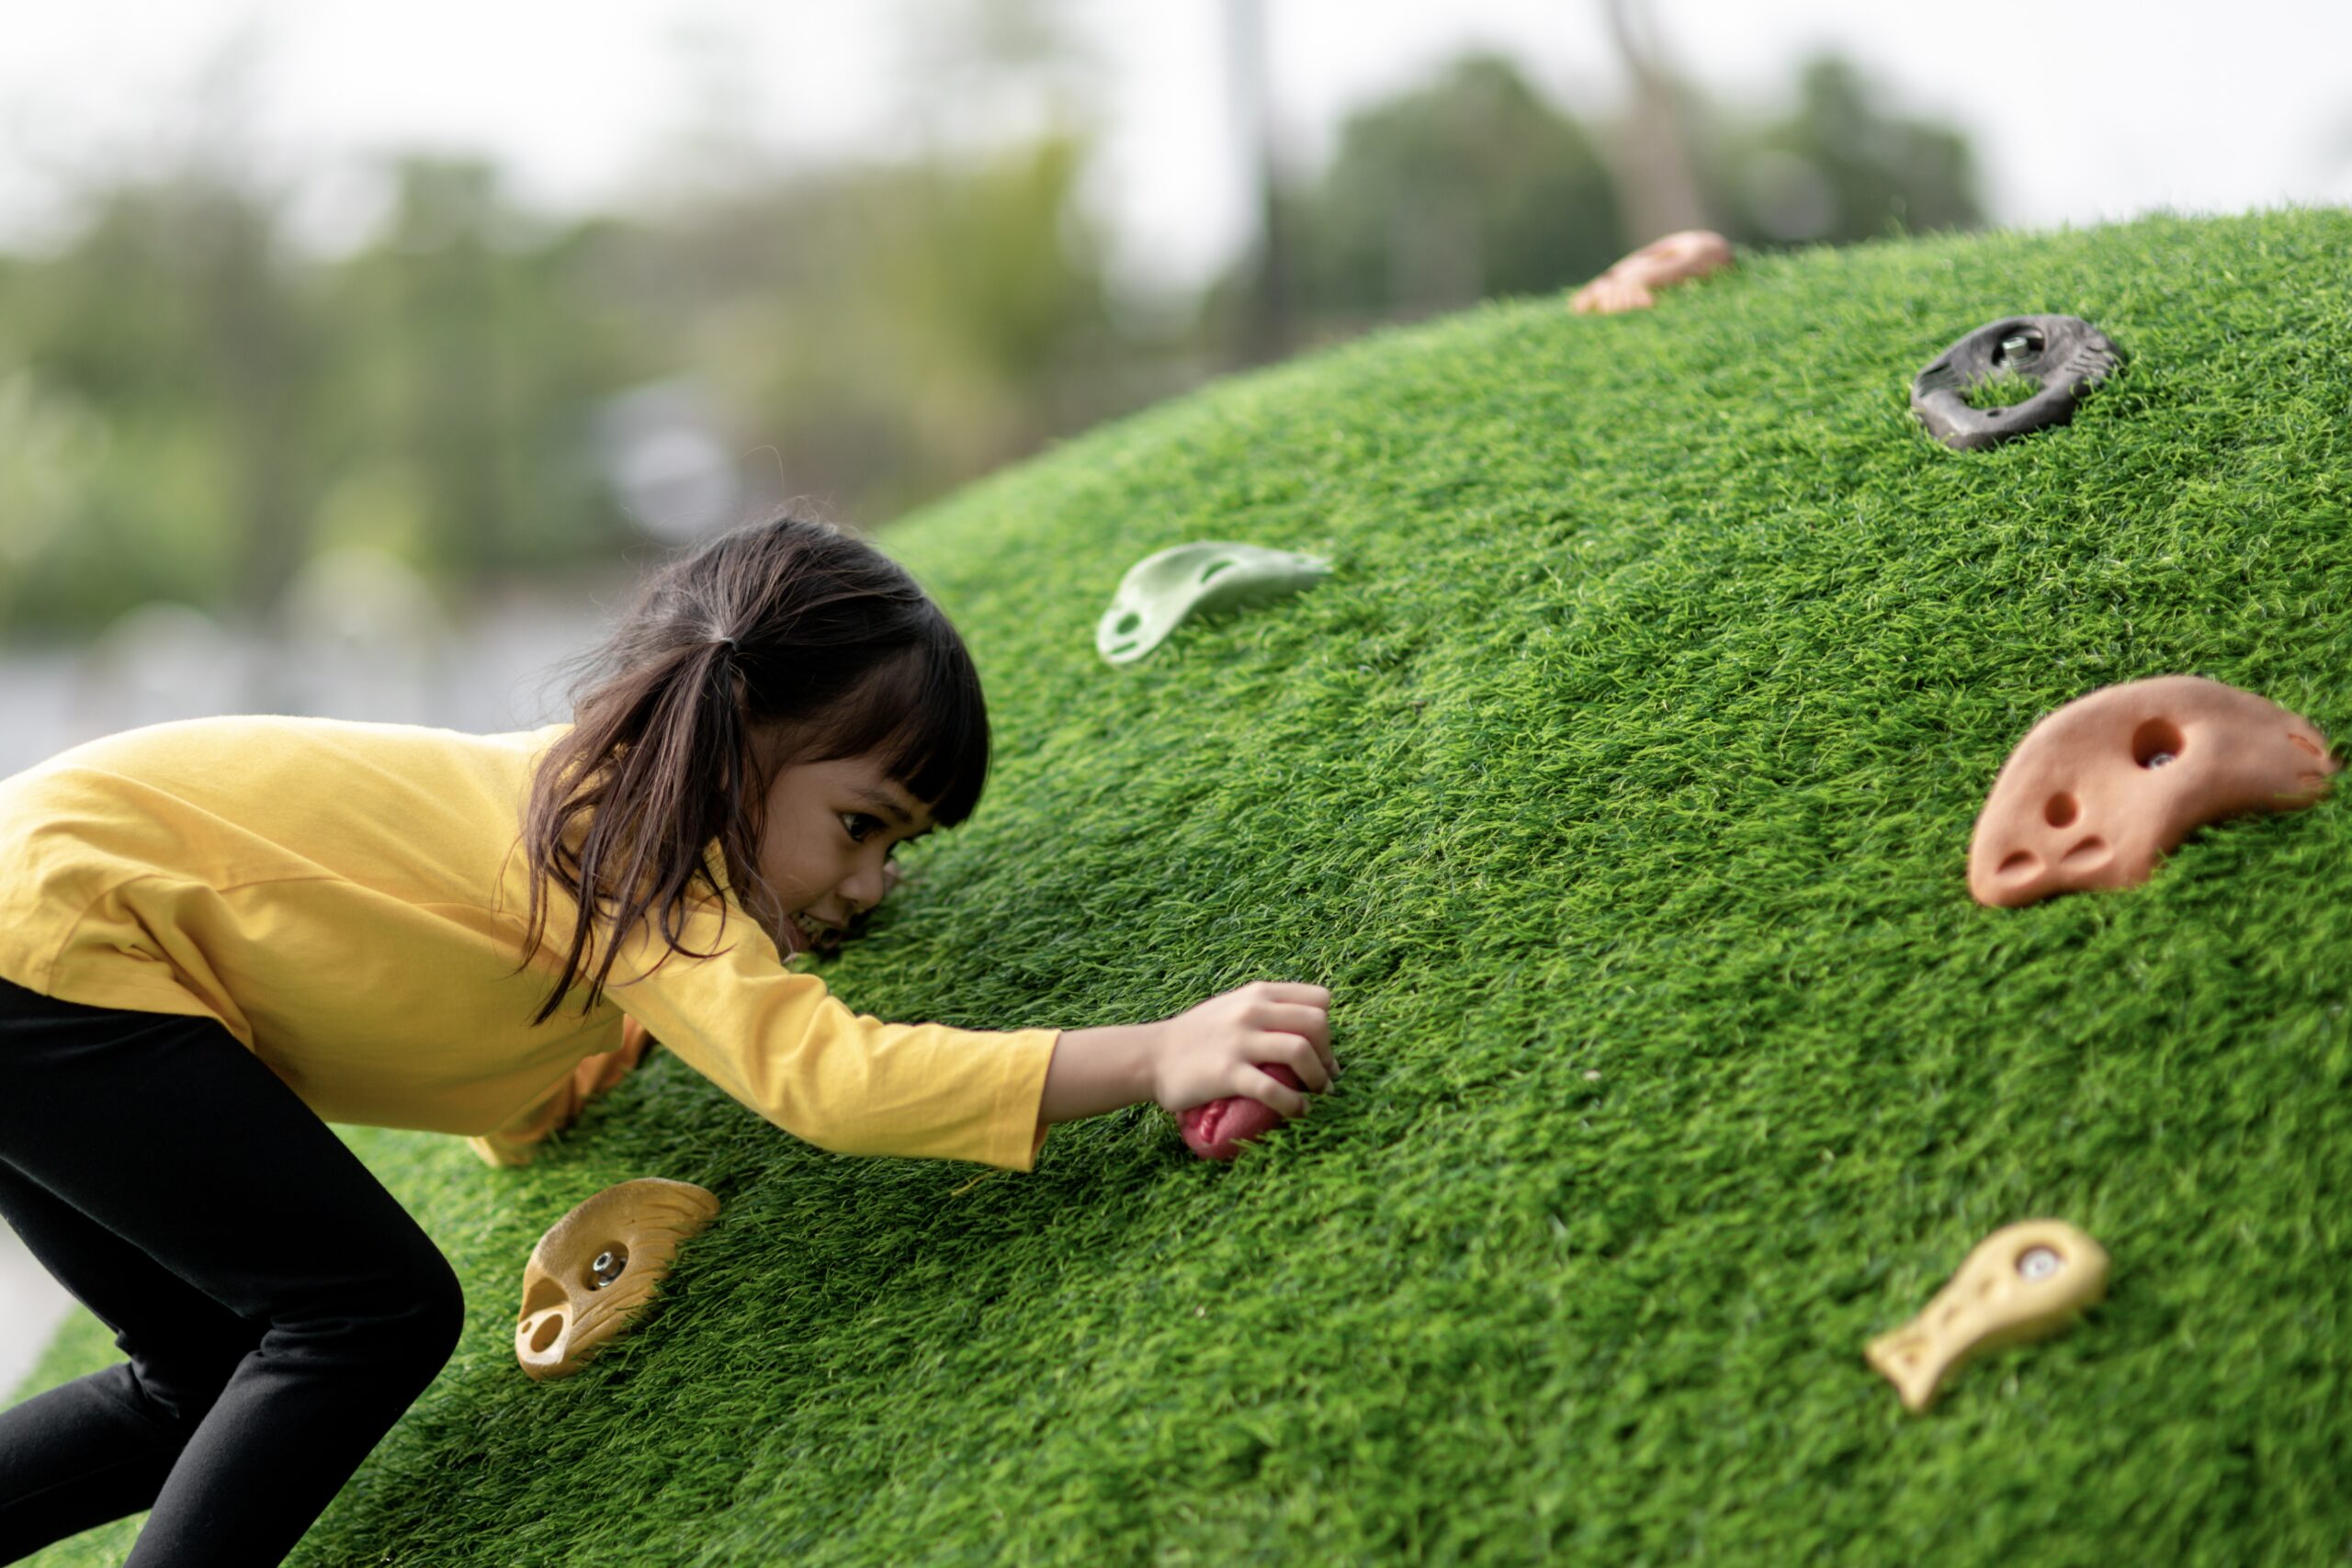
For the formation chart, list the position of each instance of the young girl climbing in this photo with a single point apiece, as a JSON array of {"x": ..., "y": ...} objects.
[{"x": 217, "y": 936}]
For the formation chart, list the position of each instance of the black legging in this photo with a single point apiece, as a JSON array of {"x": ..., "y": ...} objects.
[{"x": 280, "y": 1310}]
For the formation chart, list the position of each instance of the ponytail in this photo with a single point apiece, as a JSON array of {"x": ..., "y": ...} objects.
[
  {"x": 655, "y": 768},
  {"x": 790, "y": 632}
]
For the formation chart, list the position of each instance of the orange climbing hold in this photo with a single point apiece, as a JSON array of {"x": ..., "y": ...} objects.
[
  {"x": 2103, "y": 788},
  {"x": 1634, "y": 282}
]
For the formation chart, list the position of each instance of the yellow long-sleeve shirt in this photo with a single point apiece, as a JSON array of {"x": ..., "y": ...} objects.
[{"x": 349, "y": 900}]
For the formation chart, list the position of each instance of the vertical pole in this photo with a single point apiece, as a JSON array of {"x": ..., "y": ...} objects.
[
  {"x": 1656, "y": 189},
  {"x": 1261, "y": 325}
]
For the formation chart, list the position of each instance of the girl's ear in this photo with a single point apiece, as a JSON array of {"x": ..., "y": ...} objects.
[{"x": 767, "y": 753}]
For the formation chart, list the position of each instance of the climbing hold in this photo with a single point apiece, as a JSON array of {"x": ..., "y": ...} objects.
[
  {"x": 2103, "y": 788},
  {"x": 595, "y": 1268},
  {"x": 1217, "y": 1129},
  {"x": 1633, "y": 282},
  {"x": 2065, "y": 356},
  {"x": 1160, "y": 591},
  {"x": 2024, "y": 1281}
]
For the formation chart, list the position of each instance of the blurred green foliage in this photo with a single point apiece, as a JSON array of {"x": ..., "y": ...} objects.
[
  {"x": 192, "y": 405},
  {"x": 1837, "y": 167},
  {"x": 1471, "y": 187}
]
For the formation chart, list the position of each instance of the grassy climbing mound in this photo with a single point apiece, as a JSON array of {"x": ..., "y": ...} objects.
[{"x": 1619, "y": 782}]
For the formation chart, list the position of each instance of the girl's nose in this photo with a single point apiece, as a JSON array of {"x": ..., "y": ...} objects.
[{"x": 864, "y": 887}]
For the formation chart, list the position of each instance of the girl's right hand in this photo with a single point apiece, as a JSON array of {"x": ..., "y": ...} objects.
[{"x": 1211, "y": 1051}]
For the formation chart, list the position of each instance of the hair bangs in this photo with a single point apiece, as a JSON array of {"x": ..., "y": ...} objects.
[{"x": 922, "y": 717}]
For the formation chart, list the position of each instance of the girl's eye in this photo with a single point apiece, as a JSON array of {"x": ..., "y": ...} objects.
[{"x": 857, "y": 825}]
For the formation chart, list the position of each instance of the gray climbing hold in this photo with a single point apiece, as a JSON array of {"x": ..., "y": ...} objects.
[
  {"x": 1163, "y": 590},
  {"x": 2064, "y": 354}
]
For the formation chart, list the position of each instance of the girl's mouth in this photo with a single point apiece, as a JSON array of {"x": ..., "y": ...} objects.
[{"x": 807, "y": 935}]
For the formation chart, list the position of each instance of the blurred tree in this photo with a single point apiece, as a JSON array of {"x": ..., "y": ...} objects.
[
  {"x": 877, "y": 329},
  {"x": 1471, "y": 187},
  {"x": 174, "y": 316},
  {"x": 1650, "y": 144},
  {"x": 867, "y": 332},
  {"x": 887, "y": 330},
  {"x": 49, "y": 448},
  {"x": 1261, "y": 313},
  {"x": 1837, "y": 168},
  {"x": 989, "y": 73},
  {"x": 470, "y": 345},
  {"x": 872, "y": 333}
]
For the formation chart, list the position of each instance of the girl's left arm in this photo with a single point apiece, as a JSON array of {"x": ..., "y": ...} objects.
[
  {"x": 1204, "y": 1052},
  {"x": 1094, "y": 1070}
]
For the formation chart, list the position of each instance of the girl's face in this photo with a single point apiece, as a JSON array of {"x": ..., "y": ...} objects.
[{"x": 826, "y": 843}]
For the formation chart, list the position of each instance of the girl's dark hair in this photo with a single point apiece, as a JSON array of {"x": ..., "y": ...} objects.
[{"x": 788, "y": 630}]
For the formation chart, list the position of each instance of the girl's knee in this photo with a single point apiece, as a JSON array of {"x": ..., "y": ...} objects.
[
  {"x": 432, "y": 1316},
  {"x": 403, "y": 1319}
]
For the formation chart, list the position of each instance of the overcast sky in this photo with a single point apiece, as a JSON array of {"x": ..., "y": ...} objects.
[{"x": 2082, "y": 109}]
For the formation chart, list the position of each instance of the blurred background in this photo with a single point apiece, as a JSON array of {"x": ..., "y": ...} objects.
[{"x": 353, "y": 358}]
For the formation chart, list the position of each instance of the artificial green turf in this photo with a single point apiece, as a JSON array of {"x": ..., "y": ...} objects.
[
  {"x": 2000, "y": 391},
  {"x": 1619, "y": 783}
]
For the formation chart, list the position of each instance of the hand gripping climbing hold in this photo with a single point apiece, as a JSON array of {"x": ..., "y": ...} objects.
[
  {"x": 1217, "y": 1129},
  {"x": 1163, "y": 590},
  {"x": 2024, "y": 1281},
  {"x": 2103, "y": 788},
  {"x": 2064, "y": 354},
  {"x": 1633, "y": 283},
  {"x": 594, "y": 1271}
]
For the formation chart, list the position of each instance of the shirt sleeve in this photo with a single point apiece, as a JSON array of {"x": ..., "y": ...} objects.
[{"x": 778, "y": 1041}]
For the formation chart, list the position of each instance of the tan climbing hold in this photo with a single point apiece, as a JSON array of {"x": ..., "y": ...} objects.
[
  {"x": 2024, "y": 1281},
  {"x": 1633, "y": 283},
  {"x": 2103, "y": 788},
  {"x": 594, "y": 1271}
]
